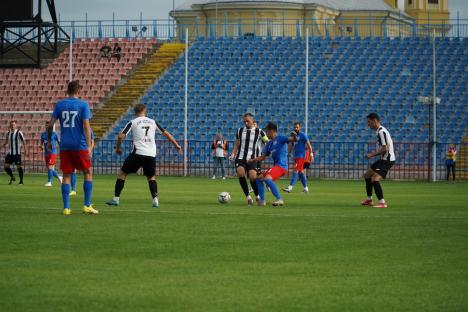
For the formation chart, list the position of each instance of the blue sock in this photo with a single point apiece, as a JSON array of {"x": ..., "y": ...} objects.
[
  {"x": 49, "y": 175},
  {"x": 273, "y": 188},
  {"x": 88, "y": 191},
  {"x": 73, "y": 181},
  {"x": 55, "y": 174},
  {"x": 261, "y": 189},
  {"x": 66, "y": 195},
  {"x": 303, "y": 179},
  {"x": 293, "y": 179}
]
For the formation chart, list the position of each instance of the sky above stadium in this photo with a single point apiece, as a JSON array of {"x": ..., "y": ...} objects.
[{"x": 159, "y": 9}]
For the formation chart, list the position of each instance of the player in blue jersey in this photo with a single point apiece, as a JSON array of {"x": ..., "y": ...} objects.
[
  {"x": 301, "y": 147},
  {"x": 75, "y": 144},
  {"x": 50, "y": 154},
  {"x": 277, "y": 147},
  {"x": 73, "y": 175}
]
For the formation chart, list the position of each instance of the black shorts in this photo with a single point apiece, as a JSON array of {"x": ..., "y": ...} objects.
[
  {"x": 135, "y": 162},
  {"x": 247, "y": 166},
  {"x": 381, "y": 167},
  {"x": 13, "y": 159}
]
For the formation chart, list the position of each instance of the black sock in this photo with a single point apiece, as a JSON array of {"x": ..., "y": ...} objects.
[
  {"x": 153, "y": 186},
  {"x": 243, "y": 184},
  {"x": 378, "y": 189},
  {"x": 254, "y": 187},
  {"x": 119, "y": 185},
  {"x": 20, "y": 173},
  {"x": 369, "y": 187},
  {"x": 8, "y": 170}
]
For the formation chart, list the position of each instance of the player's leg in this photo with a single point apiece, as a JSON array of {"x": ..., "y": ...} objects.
[
  {"x": 223, "y": 168},
  {"x": 7, "y": 167},
  {"x": 73, "y": 183},
  {"x": 253, "y": 178},
  {"x": 368, "y": 178},
  {"x": 65, "y": 188},
  {"x": 300, "y": 172},
  {"x": 119, "y": 186},
  {"x": 376, "y": 178},
  {"x": 20, "y": 169},
  {"x": 240, "y": 169},
  {"x": 272, "y": 175},
  {"x": 261, "y": 191},
  {"x": 149, "y": 170},
  {"x": 82, "y": 163},
  {"x": 453, "y": 171}
]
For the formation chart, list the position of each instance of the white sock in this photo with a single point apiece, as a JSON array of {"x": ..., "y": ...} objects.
[
  {"x": 116, "y": 199},
  {"x": 369, "y": 197},
  {"x": 382, "y": 201}
]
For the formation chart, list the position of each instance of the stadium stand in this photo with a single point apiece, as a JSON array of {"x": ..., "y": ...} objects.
[
  {"x": 348, "y": 78},
  {"x": 28, "y": 89}
]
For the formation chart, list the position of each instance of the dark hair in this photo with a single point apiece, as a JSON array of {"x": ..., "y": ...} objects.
[
  {"x": 271, "y": 126},
  {"x": 297, "y": 123},
  {"x": 73, "y": 87},
  {"x": 373, "y": 116},
  {"x": 139, "y": 108},
  {"x": 12, "y": 121},
  {"x": 248, "y": 115}
]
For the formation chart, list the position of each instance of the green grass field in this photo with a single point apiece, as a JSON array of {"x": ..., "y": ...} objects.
[{"x": 321, "y": 252}]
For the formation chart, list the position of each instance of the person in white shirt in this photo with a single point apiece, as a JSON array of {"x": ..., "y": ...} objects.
[
  {"x": 380, "y": 168},
  {"x": 143, "y": 154},
  {"x": 219, "y": 148}
]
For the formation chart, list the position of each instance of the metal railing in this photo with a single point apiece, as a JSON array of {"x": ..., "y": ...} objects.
[
  {"x": 168, "y": 30},
  {"x": 333, "y": 160}
]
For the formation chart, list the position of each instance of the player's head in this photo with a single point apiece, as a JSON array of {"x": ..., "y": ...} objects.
[
  {"x": 47, "y": 123},
  {"x": 140, "y": 110},
  {"x": 373, "y": 121},
  {"x": 13, "y": 124},
  {"x": 297, "y": 127},
  {"x": 271, "y": 129},
  {"x": 73, "y": 88},
  {"x": 220, "y": 136},
  {"x": 249, "y": 120}
]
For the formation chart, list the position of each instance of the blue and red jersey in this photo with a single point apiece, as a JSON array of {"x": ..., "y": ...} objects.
[
  {"x": 44, "y": 142},
  {"x": 278, "y": 149},
  {"x": 71, "y": 112},
  {"x": 300, "y": 145}
]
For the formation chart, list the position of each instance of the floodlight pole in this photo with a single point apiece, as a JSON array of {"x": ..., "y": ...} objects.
[
  {"x": 434, "y": 109},
  {"x": 70, "y": 60},
  {"x": 306, "y": 121},
  {"x": 186, "y": 102}
]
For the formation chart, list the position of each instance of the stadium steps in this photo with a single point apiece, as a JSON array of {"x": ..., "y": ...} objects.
[
  {"x": 462, "y": 160},
  {"x": 136, "y": 85}
]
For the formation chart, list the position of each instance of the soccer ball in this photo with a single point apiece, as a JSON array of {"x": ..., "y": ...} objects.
[{"x": 224, "y": 197}]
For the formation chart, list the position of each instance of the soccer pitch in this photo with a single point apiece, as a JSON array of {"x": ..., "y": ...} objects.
[{"x": 320, "y": 252}]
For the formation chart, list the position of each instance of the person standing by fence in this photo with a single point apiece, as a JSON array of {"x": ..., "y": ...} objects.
[
  {"x": 450, "y": 160},
  {"x": 15, "y": 142},
  {"x": 219, "y": 148}
]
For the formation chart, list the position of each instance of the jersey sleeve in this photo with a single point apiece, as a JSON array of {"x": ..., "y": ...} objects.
[
  {"x": 266, "y": 151},
  {"x": 383, "y": 137},
  {"x": 263, "y": 136},
  {"x": 304, "y": 137},
  {"x": 21, "y": 135},
  {"x": 237, "y": 134},
  {"x": 86, "y": 112},
  {"x": 127, "y": 129},
  {"x": 159, "y": 128}
]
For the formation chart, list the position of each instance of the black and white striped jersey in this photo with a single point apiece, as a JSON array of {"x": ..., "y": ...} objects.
[
  {"x": 250, "y": 142},
  {"x": 15, "y": 141},
  {"x": 384, "y": 138},
  {"x": 144, "y": 132}
]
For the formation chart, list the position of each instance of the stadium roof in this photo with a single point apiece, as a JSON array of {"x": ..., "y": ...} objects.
[{"x": 367, "y": 5}]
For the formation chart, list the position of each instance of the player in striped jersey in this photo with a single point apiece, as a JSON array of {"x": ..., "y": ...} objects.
[
  {"x": 380, "y": 168},
  {"x": 16, "y": 144},
  {"x": 248, "y": 139},
  {"x": 144, "y": 130}
]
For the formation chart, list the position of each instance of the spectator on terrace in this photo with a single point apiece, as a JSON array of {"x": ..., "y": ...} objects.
[
  {"x": 106, "y": 51},
  {"x": 117, "y": 52}
]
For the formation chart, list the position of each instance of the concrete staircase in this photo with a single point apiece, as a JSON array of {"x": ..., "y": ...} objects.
[
  {"x": 136, "y": 85},
  {"x": 462, "y": 159}
]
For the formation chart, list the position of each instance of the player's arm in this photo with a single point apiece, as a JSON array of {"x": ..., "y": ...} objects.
[
  {"x": 23, "y": 146},
  {"x": 50, "y": 130},
  {"x": 257, "y": 159},
  {"x": 383, "y": 149},
  {"x": 171, "y": 139},
  {"x": 234, "y": 150},
  {"x": 309, "y": 146},
  {"x": 87, "y": 131}
]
